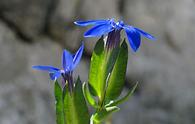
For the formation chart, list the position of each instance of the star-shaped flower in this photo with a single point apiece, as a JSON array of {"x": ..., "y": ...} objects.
[
  {"x": 69, "y": 63},
  {"x": 103, "y": 27}
]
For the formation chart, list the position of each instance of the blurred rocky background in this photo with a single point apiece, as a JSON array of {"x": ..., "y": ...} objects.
[{"x": 35, "y": 32}]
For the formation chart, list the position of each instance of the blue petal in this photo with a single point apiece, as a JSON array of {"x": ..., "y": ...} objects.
[
  {"x": 133, "y": 37},
  {"x": 67, "y": 60},
  {"x": 77, "y": 56},
  {"x": 149, "y": 36},
  {"x": 91, "y": 22},
  {"x": 99, "y": 30},
  {"x": 46, "y": 68},
  {"x": 54, "y": 76}
]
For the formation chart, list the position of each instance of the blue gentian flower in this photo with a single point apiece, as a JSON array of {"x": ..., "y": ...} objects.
[
  {"x": 109, "y": 26},
  {"x": 69, "y": 63}
]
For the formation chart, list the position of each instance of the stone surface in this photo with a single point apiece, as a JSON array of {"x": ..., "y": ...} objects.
[
  {"x": 26, "y": 17},
  {"x": 82, "y": 70},
  {"x": 25, "y": 95},
  {"x": 61, "y": 26},
  {"x": 97, "y": 9}
]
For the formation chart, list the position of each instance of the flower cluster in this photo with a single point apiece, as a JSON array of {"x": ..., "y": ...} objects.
[{"x": 101, "y": 27}]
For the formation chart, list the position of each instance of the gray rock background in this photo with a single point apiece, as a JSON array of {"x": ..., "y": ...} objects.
[{"x": 36, "y": 31}]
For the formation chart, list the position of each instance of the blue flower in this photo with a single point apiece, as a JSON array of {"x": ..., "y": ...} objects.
[
  {"x": 103, "y": 27},
  {"x": 69, "y": 63}
]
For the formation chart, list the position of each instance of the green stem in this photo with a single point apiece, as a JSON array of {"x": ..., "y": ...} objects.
[
  {"x": 96, "y": 122},
  {"x": 106, "y": 122}
]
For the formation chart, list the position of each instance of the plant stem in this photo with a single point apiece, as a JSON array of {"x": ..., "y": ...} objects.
[{"x": 96, "y": 123}]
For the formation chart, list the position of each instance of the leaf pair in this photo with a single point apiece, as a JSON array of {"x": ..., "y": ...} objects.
[
  {"x": 106, "y": 80},
  {"x": 103, "y": 114},
  {"x": 109, "y": 108},
  {"x": 71, "y": 108},
  {"x": 102, "y": 62},
  {"x": 105, "y": 62}
]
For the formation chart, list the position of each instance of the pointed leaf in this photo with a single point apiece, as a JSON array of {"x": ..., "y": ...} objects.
[
  {"x": 95, "y": 70},
  {"x": 75, "y": 107},
  {"x": 89, "y": 98},
  {"x": 117, "y": 77},
  {"x": 59, "y": 103},
  {"x": 123, "y": 99},
  {"x": 102, "y": 62},
  {"x": 69, "y": 108},
  {"x": 80, "y": 104},
  {"x": 102, "y": 115}
]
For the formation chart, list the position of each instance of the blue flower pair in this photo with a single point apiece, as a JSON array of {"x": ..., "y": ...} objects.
[{"x": 103, "y": 27}]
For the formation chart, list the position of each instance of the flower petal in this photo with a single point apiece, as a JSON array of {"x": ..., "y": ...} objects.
[
  {"x": 54, "y": 76},
  {"x": 91, "y": 22},
  {"x": 46, "y": 68},
  {"x": 134, "y": 37},
  {"x": 77, "y": 56},
  {"x": 99, "y": 30},
  {"x": 67, "y": 60},
  {"x": 149, "y": 36}
]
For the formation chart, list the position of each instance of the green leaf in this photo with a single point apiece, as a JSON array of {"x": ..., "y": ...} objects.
[
  {"x": 102, "y": 62},
  {"x": 69, "y": 107},
  {"x": 80, "y": 104},
  {"x": 75, "y": 107},
  {"x": 123, "y": 99},
  {"x": 89, "y": 98},
  {"x": 103, "y": 114},
  {"x": 94, "y": 72},
  {"x": 117, "y": 77},
  {"x": 59, "y": 103}
]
